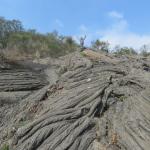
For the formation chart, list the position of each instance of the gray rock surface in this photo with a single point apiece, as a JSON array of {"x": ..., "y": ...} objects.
[{"x": 92, "y": 105}]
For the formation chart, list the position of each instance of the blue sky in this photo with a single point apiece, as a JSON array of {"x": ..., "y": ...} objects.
[{"x": 123, "y": 22}]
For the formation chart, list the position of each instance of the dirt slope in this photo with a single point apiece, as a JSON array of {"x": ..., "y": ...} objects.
[{"x": 101, "y": 104}]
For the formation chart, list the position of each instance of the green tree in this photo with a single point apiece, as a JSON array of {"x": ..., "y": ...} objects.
[
  {"x": 69, "y": 44},
  {"x": 144, "y": 50},
  {"x": 15, "y": 38},
  {"x": 100, "y": 46},
  {"x": 8, "y": 27},
  {"x": 125, "y": 51}
]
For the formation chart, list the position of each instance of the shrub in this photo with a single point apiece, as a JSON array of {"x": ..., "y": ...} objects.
[
  {"x": 144, "y": 51},
  {"x": 20, "y": 42},
  {"x": 100, "y": 46},
  {"x": 5, "y": 147},
  {"x": 125, "y": 51}
]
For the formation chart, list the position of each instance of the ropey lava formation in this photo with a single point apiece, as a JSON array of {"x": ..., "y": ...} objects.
[{"x": 88, "y": 104}]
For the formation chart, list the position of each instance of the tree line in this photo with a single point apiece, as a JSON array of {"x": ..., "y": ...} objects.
[
  {"x": 17, "y": 41},
  {"x": 14, "y": 37},
  {"x": 102, "y": 46}
]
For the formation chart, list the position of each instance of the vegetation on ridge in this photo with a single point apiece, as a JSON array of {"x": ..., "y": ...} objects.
[
  {"x": 22, "y": 42},
  {"x": 18, "y": 42}
]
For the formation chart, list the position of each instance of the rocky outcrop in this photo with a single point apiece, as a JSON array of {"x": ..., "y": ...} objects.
[{"x": 93, "y": 105}]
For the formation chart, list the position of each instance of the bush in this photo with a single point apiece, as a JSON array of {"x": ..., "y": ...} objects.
[
  {"x": 145, "y": 53},
  {"x": 18, "y": 42},
  {"x": 100, "y": 46},
  {"x": 7, "y": 27},
  {"x": 125, "y": 51},
  {"x": 5, "y": 147},
  {"x": 144, "y": 50}
]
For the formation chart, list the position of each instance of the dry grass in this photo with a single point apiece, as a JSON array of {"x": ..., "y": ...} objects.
[
  {"x": 113, "y": 142},
  {"x": 13, "y": 55},
  {"x": 98, "y": 56}
]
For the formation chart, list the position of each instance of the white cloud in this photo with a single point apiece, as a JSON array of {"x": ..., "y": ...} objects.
[
  {"x": 59, "y": 23},
  {"x": 118, "y": 33},
  {"x": 115, "y": 14},
  {"x": 126, "y": 39}
]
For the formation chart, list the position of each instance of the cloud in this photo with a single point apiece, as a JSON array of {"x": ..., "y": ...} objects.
[
  {"x": 115, "y": 14},
  {"x": 59, "y": 23},
  {"x": 117, "y": 33}
]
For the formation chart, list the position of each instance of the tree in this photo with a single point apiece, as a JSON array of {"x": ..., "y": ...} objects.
[
  {"x": 15, "y": 38},
  {"x": 144, "y": 50},
  {"x": 69, "y": 44},
  {"x": 8, "y": 27},
  {"x": 100, "y": 46},
  {"x": 125, "y": 51}
]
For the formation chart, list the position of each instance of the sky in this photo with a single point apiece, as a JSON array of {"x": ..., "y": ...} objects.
[{"x": 120, "y": 22}]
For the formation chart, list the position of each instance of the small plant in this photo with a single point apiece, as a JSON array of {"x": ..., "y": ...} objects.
[
  {"x": 2, "y": 57},
  {"x": 83, "y": 54},
  {"x": 5, "y": 147},
  {"x": 22, "y": 123},
  {"x": 114, "y": 138},
  {"x": 122, "y": 98}
]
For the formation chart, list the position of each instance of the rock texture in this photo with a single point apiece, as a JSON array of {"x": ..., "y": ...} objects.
[{"x": 91, "y": 105}]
